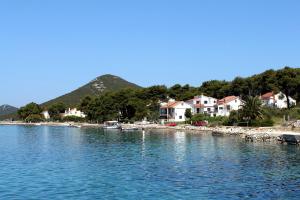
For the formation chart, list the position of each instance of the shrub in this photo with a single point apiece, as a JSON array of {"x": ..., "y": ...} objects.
[
  {"x": 34, "y": 118},
  {"x": 198, "y": 117},
  {"x": 73, "y": 119}
]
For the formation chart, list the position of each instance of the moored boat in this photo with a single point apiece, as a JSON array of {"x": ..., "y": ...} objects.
[
  {"x": 112, "y": 125},
  {"x": 130, "y": 129}
]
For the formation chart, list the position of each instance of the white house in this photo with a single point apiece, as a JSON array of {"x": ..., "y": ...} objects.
[
  {"x": 174, "y": 111},
  {"x": 46, "y": 114},
  {"x": 278, "y": 100},
  {"x": 74, "y": 112},
  {"x": 228, "y": 104},
  {"x": 203, "y": 104}
]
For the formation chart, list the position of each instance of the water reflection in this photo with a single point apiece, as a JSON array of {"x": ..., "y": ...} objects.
[
  {"x": 180, "y": 146},
  {"x": 143, "y": 144}
]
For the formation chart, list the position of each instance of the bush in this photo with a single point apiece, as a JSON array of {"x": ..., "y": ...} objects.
[
  {"x": 267, "y": 122},
  {"x": 262, "y": 123},
  {"x": 73, "y": 119},
  {"x": 34, "y": 118},
  {"x": 198, "y": 118},
  {"x": 213, "y": 121}
]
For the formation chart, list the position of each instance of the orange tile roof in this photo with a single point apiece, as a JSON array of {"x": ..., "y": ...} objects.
[
  {"x": 227, "y": 99},
  {"x": 170, "y": 104},
  {"x": 268, "y": 95}
]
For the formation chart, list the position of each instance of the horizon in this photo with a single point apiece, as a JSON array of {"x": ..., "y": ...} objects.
[{"x": 51, "y": 48}]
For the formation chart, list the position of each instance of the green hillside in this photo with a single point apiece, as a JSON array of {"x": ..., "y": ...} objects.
[
  {"x": 96, "y": 87},
  {"x": 8, "y": 112},
  {"x": 7, "y": 109}
]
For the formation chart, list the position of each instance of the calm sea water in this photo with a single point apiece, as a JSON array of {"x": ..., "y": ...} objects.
[{"x": 70, "y": 163}]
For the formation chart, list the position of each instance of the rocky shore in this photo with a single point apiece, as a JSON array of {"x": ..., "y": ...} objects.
[
  {"x": 261, "y": 134},
  {"x": 265, "y": 134}
]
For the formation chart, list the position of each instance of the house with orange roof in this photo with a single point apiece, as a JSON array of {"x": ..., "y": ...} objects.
[
  {"x": 174, "y": 111},
  {"x": 203, "y": 104},
  {"x": 226, "y": 105},
  {"x": 278, "y": 100}
]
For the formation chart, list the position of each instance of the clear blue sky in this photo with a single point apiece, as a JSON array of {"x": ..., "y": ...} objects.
[{"x": 48, "y": 48}]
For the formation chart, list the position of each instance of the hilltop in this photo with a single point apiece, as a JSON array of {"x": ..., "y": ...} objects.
[
  {"x": 7, "y": 109},
  {"x": 98, "y": 86}
]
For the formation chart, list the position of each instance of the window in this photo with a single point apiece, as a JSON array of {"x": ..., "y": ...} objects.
[
  {"x": 198, "y": 110},
  {"x": 220, "y": 108},
  {"x": 228, "y": 107},
  {"x": 208, "y": 109},
  {"x": 197, "y": 102},
  {"x": 205, "y": 102},
  {"x": 180, "y": 117}
]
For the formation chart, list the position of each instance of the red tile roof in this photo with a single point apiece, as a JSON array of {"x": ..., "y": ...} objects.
[
  {"x": 268, "y": 95},
  {"x": 227, "y": 99},
  {"x": 170, "y": 104}
]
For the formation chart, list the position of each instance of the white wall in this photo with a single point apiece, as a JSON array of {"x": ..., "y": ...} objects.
[
  {"x": 233, "y": 105},
  {"x": 180, "y": 111},
  {"x": 208, "y": 102},
  {"x": 279, "y": 101}
]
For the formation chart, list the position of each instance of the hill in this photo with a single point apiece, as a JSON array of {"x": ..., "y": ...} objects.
[
  {"x": 101, "y": 84},
  {"x": 7, "y": 109}
]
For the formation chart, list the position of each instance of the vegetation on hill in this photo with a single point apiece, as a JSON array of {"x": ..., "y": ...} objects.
[
  {"x": 125, "y": 105},
  {"x": 111, "y": 102},
  {"x": 135, "y": 104},
  {"x": 100, "y": 85},
  {"x": 7, "y": 109}
]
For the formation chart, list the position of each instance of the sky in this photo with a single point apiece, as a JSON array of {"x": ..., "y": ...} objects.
[{"x": 51, "y": 47}]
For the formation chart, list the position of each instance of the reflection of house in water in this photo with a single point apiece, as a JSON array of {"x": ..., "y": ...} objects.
[{"x": 180, "y": 146}]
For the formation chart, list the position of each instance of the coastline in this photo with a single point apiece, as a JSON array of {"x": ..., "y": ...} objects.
[{"x": 257, "y": 134}]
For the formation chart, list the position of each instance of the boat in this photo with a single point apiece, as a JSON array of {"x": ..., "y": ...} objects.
[
  {"x": 75, "y": 126},
  {"x": 130, "y": 129},
  {"x": 112, "y": 125}
]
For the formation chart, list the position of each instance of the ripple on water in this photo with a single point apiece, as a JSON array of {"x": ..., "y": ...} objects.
[{"x": 69, "y": 163}]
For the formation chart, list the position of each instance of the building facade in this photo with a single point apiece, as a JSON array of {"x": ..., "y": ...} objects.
[
  {"x": 278, "y": 100},
  {"x": 74, "y": 112},
  {"x": 174, "y": 111},
  {"x": 228, "y": 104},
  {"x": 203, "y": 105}
]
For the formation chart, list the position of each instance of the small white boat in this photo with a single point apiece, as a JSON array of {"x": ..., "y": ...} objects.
[
  {"x": 112, "y": 125},
  {"x": 130, "y": 129},
  {"x": 75, "y": 126}
]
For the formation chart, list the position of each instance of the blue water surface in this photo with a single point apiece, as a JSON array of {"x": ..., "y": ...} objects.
[{"x": 40, "y": 162}]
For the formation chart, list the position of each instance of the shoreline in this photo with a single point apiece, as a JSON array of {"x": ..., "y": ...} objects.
[{"x": 252, "y": 134}]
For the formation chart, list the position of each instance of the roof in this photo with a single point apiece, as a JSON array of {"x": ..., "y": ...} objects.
[
  {"x": 268, "y": 95},
  {"x": 170, "y": 104},
  {"x": 227, "y": 99}
]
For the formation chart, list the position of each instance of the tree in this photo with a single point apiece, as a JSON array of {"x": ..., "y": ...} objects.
[
  {"x": 188, "y": 114},
  {"x": 288, "y": 81},
  {"x": 56, "y": 109},
  {"x": 34, "y": 118},
  {"x": 216, "y": 88},
  {"x": 252, "y": 109},
  {"x": 233, "y": 118},
  {"x": 29, "y": 109}
]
